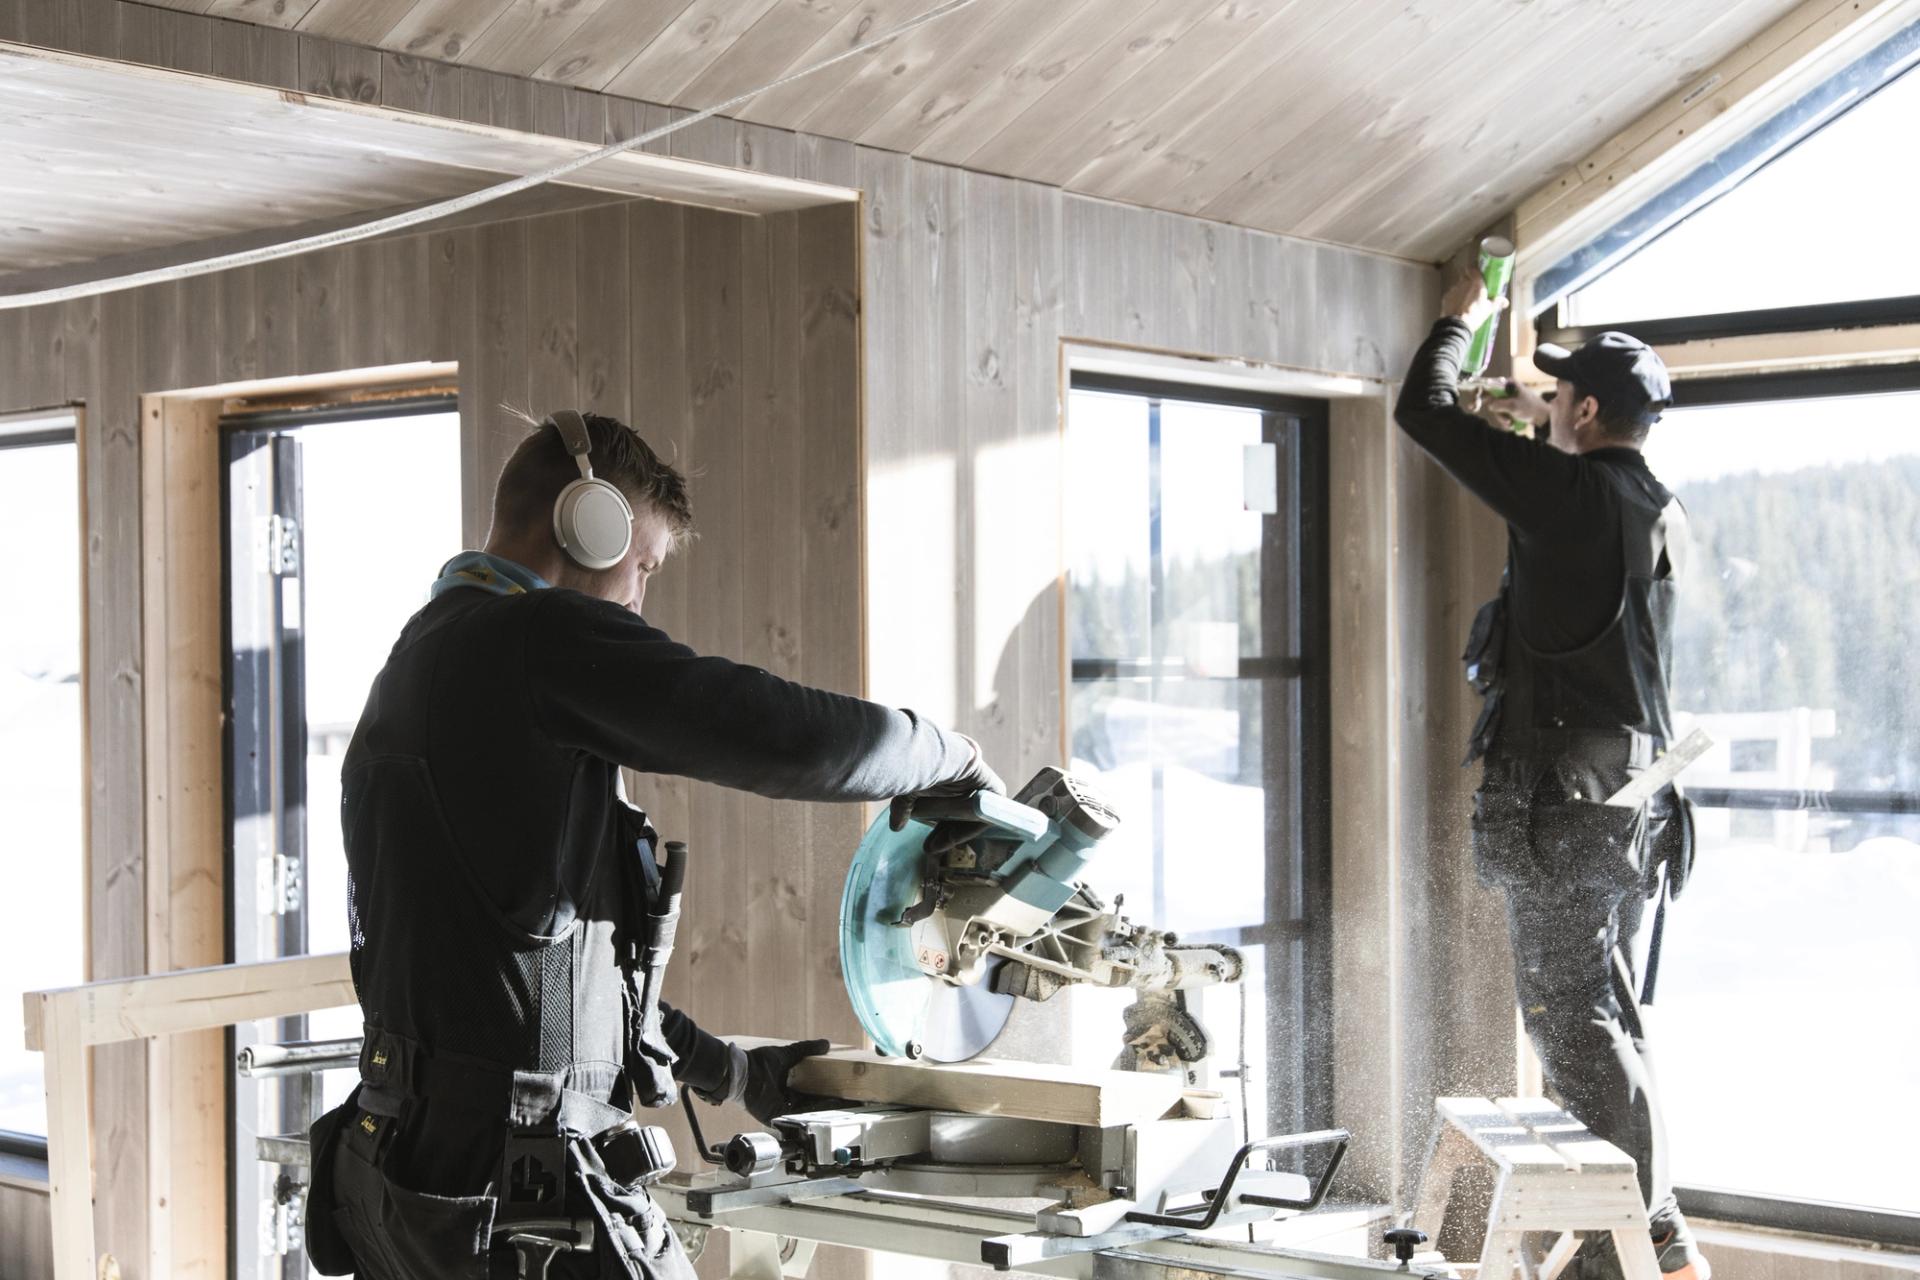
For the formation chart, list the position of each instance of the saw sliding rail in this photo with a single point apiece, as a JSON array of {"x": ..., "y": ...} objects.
[{"x": 954, "y": 1231}]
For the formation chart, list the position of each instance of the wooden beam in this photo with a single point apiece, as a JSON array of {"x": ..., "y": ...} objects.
[
  {"x": 988, "y": 1087},
  {"x": 1759, "y": 77},
  {"x": 190, "y": 1000}
]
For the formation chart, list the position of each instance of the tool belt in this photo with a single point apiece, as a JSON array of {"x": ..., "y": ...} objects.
[{"x": 572, "y": 1173}]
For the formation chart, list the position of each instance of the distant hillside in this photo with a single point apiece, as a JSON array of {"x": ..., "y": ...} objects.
[{"x": 1805, "y": 591}]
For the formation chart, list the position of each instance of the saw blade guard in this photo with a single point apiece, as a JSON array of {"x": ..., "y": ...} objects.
[{"x": 903, "y": 1007}]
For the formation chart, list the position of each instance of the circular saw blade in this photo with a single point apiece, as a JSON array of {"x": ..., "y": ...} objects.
[{"x": 895, "y": 1000}]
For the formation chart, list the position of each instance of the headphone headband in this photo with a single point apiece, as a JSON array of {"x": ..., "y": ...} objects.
[{"x": 573, "y": 434}]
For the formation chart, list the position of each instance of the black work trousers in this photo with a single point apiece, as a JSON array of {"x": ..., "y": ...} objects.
[{"x": 1576, "y": 881}]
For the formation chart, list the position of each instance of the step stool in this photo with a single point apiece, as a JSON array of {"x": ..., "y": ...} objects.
[{"x": 1551, "y": 1175}]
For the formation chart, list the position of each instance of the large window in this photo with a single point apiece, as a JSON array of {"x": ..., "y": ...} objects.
[
  {"x": 1788, "y": 1049},
  {"x": 1197, "y": 617},
  {"x": 1808, "y": 210},
  {"x": 42, "y": 931}
]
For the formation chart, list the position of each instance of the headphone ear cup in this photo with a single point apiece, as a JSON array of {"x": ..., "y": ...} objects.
[{"x": 593, "y": 523}]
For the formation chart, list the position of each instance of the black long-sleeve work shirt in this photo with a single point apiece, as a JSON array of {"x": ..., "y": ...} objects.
[{"x": 1563, "y": 515}]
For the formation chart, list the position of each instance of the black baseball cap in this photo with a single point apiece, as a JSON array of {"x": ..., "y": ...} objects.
[{"x": 1617, "y": 369}]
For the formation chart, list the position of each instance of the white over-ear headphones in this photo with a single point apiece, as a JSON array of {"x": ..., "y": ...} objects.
[{"x": 591, "y": 518}]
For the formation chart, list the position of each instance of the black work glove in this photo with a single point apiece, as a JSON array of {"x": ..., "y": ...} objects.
[
  {"x": 949, "y": 833},
  {"x": 757, "y": 1078}
]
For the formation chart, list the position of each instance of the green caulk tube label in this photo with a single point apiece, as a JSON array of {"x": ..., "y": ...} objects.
[{"x": 1496, "y": 268}]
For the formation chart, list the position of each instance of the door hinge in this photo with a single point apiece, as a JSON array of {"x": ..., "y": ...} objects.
[
  {"x": 283, "y": 546},
  {"x": 278, "y": 886}
]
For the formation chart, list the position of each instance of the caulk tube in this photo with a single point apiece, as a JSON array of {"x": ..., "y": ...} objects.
[{"x": 1496, "y": 268}]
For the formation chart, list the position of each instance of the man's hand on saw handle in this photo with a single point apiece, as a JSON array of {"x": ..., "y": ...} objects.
[
  {"x": 757, "y": 1079},
  {"x": 948, "y": 833}
]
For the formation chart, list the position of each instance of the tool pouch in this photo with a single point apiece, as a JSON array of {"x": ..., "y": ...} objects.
[
  {"x": 632, "y": 1238},
  {"x": 327, "y": 1249},
  {"x": 1584, "y": 842}
]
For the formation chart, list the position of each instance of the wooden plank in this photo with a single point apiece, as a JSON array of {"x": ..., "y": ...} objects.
[
  {"x": 362, "y": 22},
  {"x": 526, "y": 35},
  {"x": 1041, "y": 726},
  {"x": 989, "y": 1087},
  {"x": 501, "y": 350},
  {"x": 829, "y": 425},
  {"x": 886, "y": 75},
  {"x": 553, "y": 324},
  {"x": 278, "y": 13},
  {"x": 319, "y": 280},
  {"x": 763, "y": 53},
  {"x": 976, "y": 55},
  {"x": 593, "y": 53},
  {"x": 605, "y": 345},
  {"x": 191, "y": 999},
  {"x": 700, "y": 35},
  {"x": 857, "y": 24},
  {"x": 443, "y": 29},
  {"x": 56, "y": 1032},
  {"x": 722, "y": 852}
]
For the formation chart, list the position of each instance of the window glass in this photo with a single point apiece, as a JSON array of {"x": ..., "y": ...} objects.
[
  {"x": 1828, "y": 220},
  {"x": 1184, "y": 535},
  {"x": 42, "y": 931},
  {"x": 1792, "y": 961}
]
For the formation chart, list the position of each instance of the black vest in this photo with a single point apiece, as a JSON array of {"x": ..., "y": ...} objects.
[{"x": 1619, "y": 680}]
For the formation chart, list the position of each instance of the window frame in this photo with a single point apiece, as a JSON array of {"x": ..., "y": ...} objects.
[
  {"x": 1310, "y": 805},
  {"x": 1784, "y": 1213},
  {"x": 33, "y": 1146},
  {"x": 1823, "y": 103}
]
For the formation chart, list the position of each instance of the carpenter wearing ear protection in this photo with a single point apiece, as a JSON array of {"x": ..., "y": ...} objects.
[{"x": 592, "y": 520}]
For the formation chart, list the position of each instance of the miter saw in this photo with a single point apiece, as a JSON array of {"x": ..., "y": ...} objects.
[
  {"x": 935, "y": 947},
  {"x": 939, "y": 935}
]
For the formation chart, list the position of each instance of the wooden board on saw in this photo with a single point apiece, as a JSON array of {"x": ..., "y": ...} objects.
[{"x": 987, "y": 1087}]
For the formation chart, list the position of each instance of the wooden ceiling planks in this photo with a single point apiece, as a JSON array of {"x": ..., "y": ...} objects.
[
  {"x": 1397, "y": 125},
  {"x": 699, "y": 38}
]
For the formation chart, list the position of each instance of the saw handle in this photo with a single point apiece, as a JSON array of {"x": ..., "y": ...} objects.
[{"x": 990, "y": 807}]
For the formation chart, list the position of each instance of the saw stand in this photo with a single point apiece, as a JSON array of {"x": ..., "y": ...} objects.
[{"x": 1551, "y": 1175}]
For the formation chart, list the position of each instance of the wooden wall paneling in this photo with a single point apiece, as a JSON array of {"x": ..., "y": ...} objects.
[
  {"x": 998, "y": 575},
  {"x": 510, "y": 102},
  {"x": 186, "y": 43},
  {"x": 1028, "y": 138},
  {"x": 552, "y": 319},
  {"x": 1042, "y": 726},
  {"x": 238, "y": 354},
  {"x": 975, "y": 51},
  {"x": 319, "y": 280},
  {"x": 604, "y": 345},
  {"x": 274, "y": 55},
  {"x": 502, "y": 349},
  {"x": 443, "y": 29},
  {"x": 396, "y": 312},
  {"x": 452, "y": 332},
  {"x": 990, "y": 107},
  {"x": 426, "y": 85},
  {"x": 1364, "y": 687},
  {"x": 334, "y": 70},
  {"x": 722, "y": 850},
  {"x": 831, "y": 521},
  {"x": 766, "y": 150},
  {"x": 773, "y": 587},
  {"x": 698, "y": 37},
  {"x": 817, "y": 159},
  {"x": 362, "y": 22},
  {"x": 662, "y": 413}
]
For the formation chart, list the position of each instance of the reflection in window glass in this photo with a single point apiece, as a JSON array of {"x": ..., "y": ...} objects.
[
  {"x": 1784, "y": 218},
  {"x": 42, "y": 932},
  {"x": 1793, "y": 956}
]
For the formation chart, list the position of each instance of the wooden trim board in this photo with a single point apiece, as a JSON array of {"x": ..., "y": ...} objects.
[{"x": 987, "y": 1087}]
